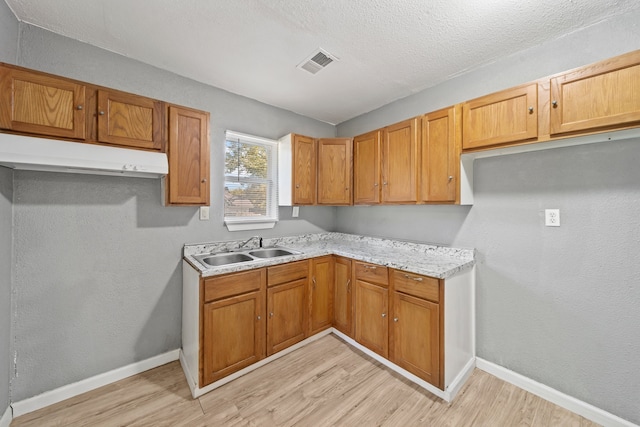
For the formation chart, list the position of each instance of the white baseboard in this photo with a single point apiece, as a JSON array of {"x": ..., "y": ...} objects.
[
  {"x": 579, "y": 407},
  {"x": 65, "y": 392},
  {"x": 7, "y": 417}
]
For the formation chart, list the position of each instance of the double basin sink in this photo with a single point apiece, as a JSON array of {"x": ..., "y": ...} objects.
[{"x": 226, "y": 258}]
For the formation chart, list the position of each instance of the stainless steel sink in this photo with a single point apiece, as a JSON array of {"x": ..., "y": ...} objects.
[
  {"x": 272, "y": 252},
  {"x": 250, "y": 255},
  {"x": 224, "y": 259}
]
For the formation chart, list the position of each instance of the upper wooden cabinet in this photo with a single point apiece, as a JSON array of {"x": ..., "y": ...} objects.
[
  {"x": 366, "y": 168},
  {"x": 129, "y": 120},
  {"x": 400, "y": 162},
  {"x": 36, "y": 103},
  {"x": 503, "y": 117},
  {"x": 334, "y": 171},
  {"x": 188, "y": 180},
  {"x": 599, "y": 96},
  {"x": 440, "y": 156},
  {"x": 304, "y": 171}
]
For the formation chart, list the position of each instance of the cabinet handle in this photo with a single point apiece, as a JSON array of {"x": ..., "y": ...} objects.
[
  {"x": 384, "y": 182},
  {"x": 375, "y": 185},
  {"x": 530, "y": 110},
  {"x": 270, "y": 315},
  {"x": 395, "y": 319},
  {"x": 554, "y": 103},
  {"x": 204, "y": 180},
  {"x": 297, "y": 185},
  {"x": 417, "y": 279},
  {"x": 384, "y": 314},
  {"x": 259, "y": 318},
  {"x": 349, "y": 285},
  {"x": 451, "y": 178},
  {"x": 370, "y": 267},
  {"x": 101, "y": 113},
  {"x": 313, "y": 279},
  {"x": 79, "y": 107}
]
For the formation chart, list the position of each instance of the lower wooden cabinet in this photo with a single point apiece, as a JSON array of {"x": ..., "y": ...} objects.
[
  {"x": 321, "y": 294},
  {"x": 233, "y": 323},
  {"x": 343, "y": 296},
  {"x": 372, "y": 307},
  {"x": 287, "y": 312}
]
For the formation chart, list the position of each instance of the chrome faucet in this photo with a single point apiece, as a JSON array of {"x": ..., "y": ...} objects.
[{"x": 242, "y": 245}]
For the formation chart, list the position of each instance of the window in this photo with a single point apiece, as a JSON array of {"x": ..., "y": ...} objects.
[{"x": 250, "y": 182}]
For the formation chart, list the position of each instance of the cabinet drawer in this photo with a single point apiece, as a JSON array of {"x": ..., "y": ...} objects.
[
  {"x": 417, "y": 285},
  {"x": 287, "y": 272},
  {"x": 372, "y": 273},
  {"x": 232, "y": 284}
]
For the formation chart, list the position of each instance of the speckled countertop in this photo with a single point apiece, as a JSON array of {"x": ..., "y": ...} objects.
[{"x": 435, "y": 261}]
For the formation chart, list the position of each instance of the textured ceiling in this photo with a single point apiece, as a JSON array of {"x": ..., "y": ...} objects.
[{"x": 388, "y": 49}]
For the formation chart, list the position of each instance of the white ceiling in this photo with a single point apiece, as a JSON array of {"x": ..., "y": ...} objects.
[{"x": 388, "y": 49}]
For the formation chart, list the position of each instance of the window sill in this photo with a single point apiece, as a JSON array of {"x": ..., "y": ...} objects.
[{"x": 249, "y": 225}]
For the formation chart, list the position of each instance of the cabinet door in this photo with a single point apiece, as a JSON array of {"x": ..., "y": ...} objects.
[
  {"x": 287, "y": 319},
  {"x": 334, "y": 171},
  {"x": 188, "y": 151},
  {"x": 400, "y": 162},
  {"x": 366, "y": 168},
  {"x": 129, "y": 120},
  {"x": 372, "y": 326},
  {"x": 500, "y": 118},
  {"x": 321, "y": 294},
  {"x": 342, "y": 300},
  {"x": 233, "y": 335},
  {"x": 604, "y": 95},
  {"x": 304, "y": 170},
  {"x": 415, "y": 337},
  {"x": 41, "y": 104},
  {"x": 440, "y": 157}
]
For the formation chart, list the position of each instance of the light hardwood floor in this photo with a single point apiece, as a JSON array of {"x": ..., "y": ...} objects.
[{"x": 326, "y": 383}]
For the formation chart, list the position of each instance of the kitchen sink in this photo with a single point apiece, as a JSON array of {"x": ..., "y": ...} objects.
[
  {"x": 249, "y": 255},
  {"x": 224, "y": 259},
  {"x": 272, "y": 253}
]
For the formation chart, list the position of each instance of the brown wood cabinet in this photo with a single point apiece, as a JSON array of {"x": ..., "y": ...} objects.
[
  {"x": 440, "y": 156},
  {"x": 400, "y": 162},
  {"x": 343, "y": 296},
  {"x": 286, "y": 305},
  {"x": 366, "y": 168},
  {"x": 321, "y": 294},
  {"x": 41, "y": 104},
  {"x": 599, "y": 96},
  {"x": 503, "y": 117},
  {"x": 233, "y": 323},
  {"x": 334, "y": 171},
  {"x": 304, "y": 172},
  {"x": 129, "y": 120},
  {"x": 188, "y": 150},
  {"x": 416, "y": 331},
  {"x": 372, "y": 307}
]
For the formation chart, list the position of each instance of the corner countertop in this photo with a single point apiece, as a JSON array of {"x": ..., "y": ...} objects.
[{"x": 436, "y": 261}]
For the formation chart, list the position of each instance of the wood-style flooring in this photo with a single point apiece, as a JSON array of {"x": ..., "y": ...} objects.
[{"x": 326, "y": 383}]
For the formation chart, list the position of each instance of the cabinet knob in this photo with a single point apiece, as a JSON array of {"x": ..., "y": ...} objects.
[
  {"x": 450, "y": 178},
  {"x": 346, "y": 188},
  {"x": 530, "y": 110},
  {"x": 270, "y": 315},
  {"x": 384, "y": 314},
  {"x": 297, "y": 185},
  {"x": 259, "y": 317},
  {"x": 384, "y": 182},
  {"x": 375, "y": 185},
  {"x": 554, "y": 103},
  {"x": 395, "y": 319},
  {"x": 204, "y": 179},
  {"x": 79, "y": 107},
  {"x": 101, "y": 113}
]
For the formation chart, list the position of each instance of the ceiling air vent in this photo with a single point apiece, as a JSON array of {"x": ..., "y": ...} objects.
[{"x": 317, "y": 61}]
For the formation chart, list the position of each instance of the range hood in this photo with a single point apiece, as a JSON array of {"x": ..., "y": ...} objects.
[{"x": 40, "y": 154}]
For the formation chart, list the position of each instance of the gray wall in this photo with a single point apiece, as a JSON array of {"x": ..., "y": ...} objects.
[
  {"x": 97, "y": 259},
  {"x": 559, "y": 305},
  {"x": 8, "y": 49}
]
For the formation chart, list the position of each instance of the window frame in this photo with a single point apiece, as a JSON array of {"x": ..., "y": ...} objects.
[{"x": 248, "y": 222}]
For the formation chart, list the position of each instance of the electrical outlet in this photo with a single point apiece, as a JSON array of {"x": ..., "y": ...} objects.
[
  {"x": 295, "y": 212},
  {"x": 204, "y": 213},
  {"x": 552, "y": 217}
]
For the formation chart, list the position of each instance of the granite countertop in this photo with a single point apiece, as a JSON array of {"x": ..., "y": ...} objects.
[{"x": 436, "y": 261}]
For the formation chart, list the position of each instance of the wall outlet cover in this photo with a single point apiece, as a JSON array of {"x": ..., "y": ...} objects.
[
  {"x": 295, "y": 212},
  {"x": 204, "y": 213},
  {"x": 552, "y": 217}
]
